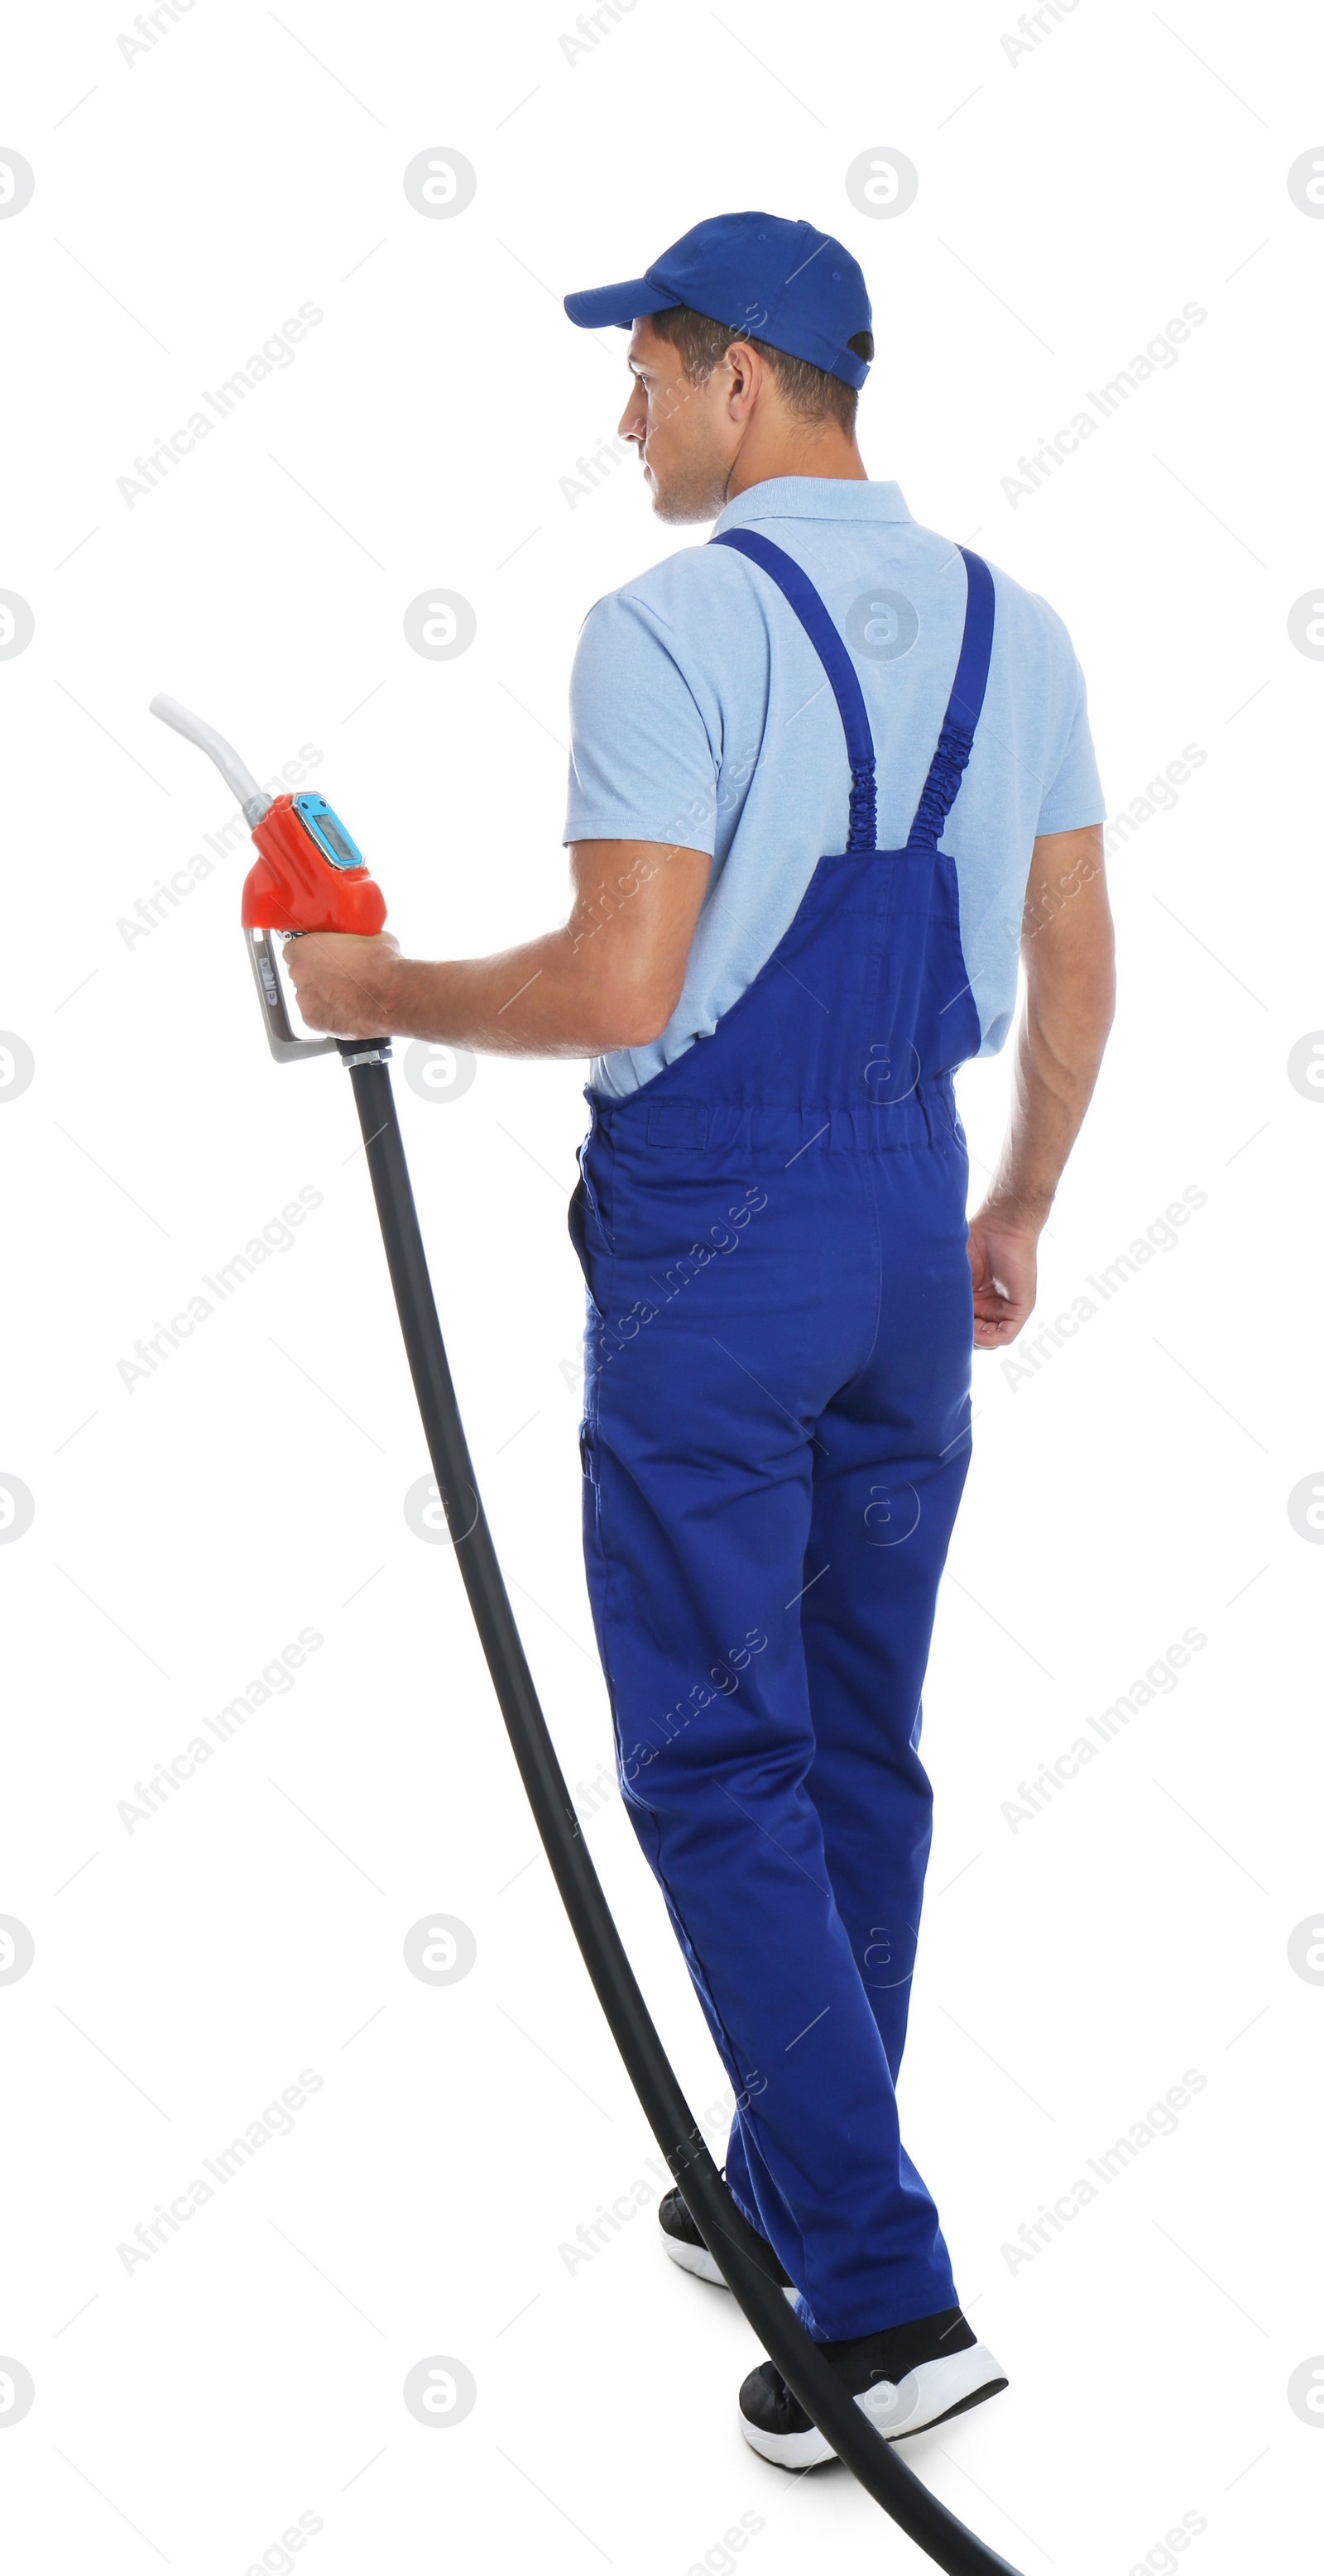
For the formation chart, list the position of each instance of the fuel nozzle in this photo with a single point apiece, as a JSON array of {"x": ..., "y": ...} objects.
[{"x": 309, "y": 875}]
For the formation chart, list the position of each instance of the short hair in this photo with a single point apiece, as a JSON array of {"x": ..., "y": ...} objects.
[{"x": 808, "y": 391}]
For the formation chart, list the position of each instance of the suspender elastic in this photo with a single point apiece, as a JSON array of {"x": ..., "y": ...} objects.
[{"x": 963, "y": 706}]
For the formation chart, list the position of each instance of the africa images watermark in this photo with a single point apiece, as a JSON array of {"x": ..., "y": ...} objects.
[
  {"x": 277, "y": 1235},
  {"x": 276, "y": 2121},
  {"x": 1160, "y": 1235},
  {"x": 1161, "y": 2559},
  {"x": 1161, "y": 352},
  {"x": 1160, "y": 2121},
  {"x": 151, "y": 25},
  {"x": 1034, "y": 25},
  {"x": 725, "y": 1677},
  {"x": 276, "y": 353},
  {"x": 698, "y": 819},
  {"x": 1159, "y": 1680},
  {"x": 618, "y": 1332},
  {"x": 721, "y": 2557},
  {"x": 277, "y": 2558},
  {"x": 591, "y": 471},
  {"x": 1159, "y": 797},
  {"x": 596, "y": 2233},
  {"x": 593, "y": 25},
  {"x": 276, "y": 1680},
  {"x": 152, "y": 911}
]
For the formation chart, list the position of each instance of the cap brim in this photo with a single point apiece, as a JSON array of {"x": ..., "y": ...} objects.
[{"x": 620, "y": 305}]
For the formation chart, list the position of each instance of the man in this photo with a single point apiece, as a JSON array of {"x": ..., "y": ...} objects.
[{"x": 783, "y": 1290}]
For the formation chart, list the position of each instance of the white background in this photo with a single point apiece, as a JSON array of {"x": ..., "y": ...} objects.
[{"x": 187, "y": 201}]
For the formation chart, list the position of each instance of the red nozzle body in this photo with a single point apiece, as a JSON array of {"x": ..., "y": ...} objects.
[{"x": 295, "y": 886}]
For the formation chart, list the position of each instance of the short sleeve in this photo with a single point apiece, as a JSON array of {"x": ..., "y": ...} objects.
[
  {"x": 1073, "y": 797},
  {"x": 642, "y": 766}
]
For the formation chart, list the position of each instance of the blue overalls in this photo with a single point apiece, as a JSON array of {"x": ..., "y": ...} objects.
[{"x": 776, "y": 1435}]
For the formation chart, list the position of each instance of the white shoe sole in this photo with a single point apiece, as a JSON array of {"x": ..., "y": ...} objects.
[
  {"x": 927, "y": 2395},
  {"x": 698, "y": 2260},
  {"x": 693, "y": 2258}
]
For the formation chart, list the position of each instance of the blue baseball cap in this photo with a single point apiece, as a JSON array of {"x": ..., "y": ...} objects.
[{"x": 761, "y": 277}]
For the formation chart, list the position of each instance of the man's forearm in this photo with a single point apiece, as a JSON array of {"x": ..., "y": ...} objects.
[
  {"x": 610, "y": 977},
  {"x": 543, "y": 998},
  {"x": 1059, "y": 1048},
  {"x": 538, "y": 999},
  {"x": 1067, "y": 946}
]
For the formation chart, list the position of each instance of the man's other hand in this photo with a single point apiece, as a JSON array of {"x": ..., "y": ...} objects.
[{"x": 1003, "y": 1276}]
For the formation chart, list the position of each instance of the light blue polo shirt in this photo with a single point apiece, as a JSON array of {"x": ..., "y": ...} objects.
[{"x": 701, "y": 717}]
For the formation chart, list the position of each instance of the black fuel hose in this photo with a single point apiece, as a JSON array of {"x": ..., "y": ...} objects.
[{"x": 738, "y": 2251}]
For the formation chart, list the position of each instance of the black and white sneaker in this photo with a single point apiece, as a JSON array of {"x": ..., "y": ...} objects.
[
  {"x": 904, "y": 2379},
  {"x": 685, "y": 2245}
]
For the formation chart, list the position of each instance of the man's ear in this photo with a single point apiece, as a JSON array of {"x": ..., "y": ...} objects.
[{"x": 747, "y": 374}]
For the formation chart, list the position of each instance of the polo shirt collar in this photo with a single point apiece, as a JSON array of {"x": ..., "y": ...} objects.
[{"x": 813, "y": 496}]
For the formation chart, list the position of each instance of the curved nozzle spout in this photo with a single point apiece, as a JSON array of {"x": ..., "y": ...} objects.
[{"x": 241, "y": 782}]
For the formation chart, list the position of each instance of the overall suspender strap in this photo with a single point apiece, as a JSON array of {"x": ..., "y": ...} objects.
[
  {"x": 963, "y": 706},
  {"x": 799, "y": 592},
  {"x": 956, "y": 738}
]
